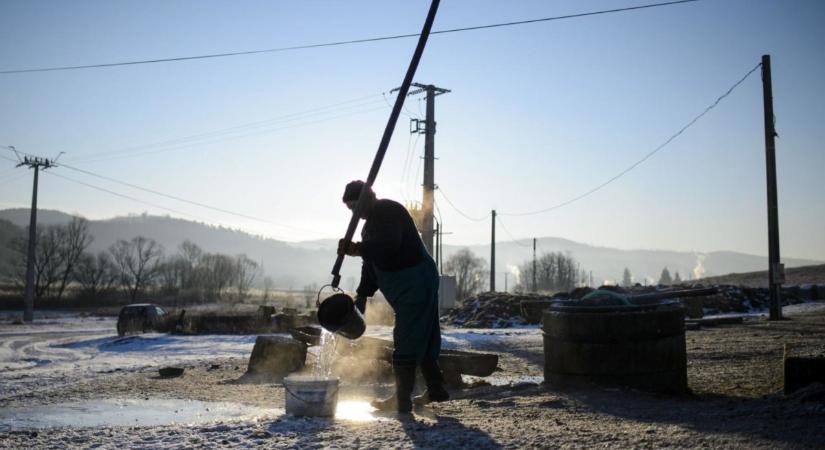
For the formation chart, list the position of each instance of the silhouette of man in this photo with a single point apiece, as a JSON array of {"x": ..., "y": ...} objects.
[{"x": 396, "y": 262}]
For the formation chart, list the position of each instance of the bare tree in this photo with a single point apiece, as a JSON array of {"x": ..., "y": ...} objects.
[
  {"x": 74, "y": 239},
  {"x": 269, "y": 283},
  {"x": 95, "y": 274},
  {"x": 191, "y": 254},
  {"x": 47, "y": 262},
  {"x": 245, "y": 272},
  {"x": 171, "y": 273},
  {"x": 137, "y": 262},
  {"x": 555, "y": 271},
  {"x": 470, "y": 272},
  {"x": 216, "y": 272}
]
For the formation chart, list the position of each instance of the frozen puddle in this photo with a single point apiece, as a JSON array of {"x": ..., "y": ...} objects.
[
  {"x": 155, "y": 412},
  {"x": 152, "y": 412}
]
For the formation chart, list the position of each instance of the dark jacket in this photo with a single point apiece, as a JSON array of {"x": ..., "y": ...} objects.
[{"x": 389, "y": 242}]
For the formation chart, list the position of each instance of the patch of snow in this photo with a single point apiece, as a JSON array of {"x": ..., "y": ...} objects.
[
  {"x": 128, "y": 412},
  {"x": 51, "y": 358}
]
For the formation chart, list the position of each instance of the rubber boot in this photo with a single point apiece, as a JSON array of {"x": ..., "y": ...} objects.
[
  {"x": 401, "y": 401},
  {"x": 435, "y": 384}
]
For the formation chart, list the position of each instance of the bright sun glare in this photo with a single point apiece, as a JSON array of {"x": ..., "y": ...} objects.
[{"x": 360, "y": 411}]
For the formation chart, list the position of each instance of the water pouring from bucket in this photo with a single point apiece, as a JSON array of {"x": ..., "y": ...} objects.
[{"x": 338, "y": 314}]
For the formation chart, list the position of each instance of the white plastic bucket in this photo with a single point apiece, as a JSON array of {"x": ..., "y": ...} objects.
[{"x": 311, "y": 396}]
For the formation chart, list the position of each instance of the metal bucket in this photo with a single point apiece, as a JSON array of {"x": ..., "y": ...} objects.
[
  {"x": 311, "y": 396},
  {"x": 338, "y": 314}
]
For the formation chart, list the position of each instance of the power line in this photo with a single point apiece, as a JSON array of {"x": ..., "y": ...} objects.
[
  {"x": 510, "y": 235},
  {"x": 125, "y": 154},
  {"x": 125, "y": 196},
  {"x": 13, "y": 178},
  {"x": 406, "y": 111},
  {"x": 191, "y": 202},
  {"x": 357, "y": 102},
  {"x": 440, "y": 190},
  {"x": 645, "y": 158},
  {"x": 402, "y": 184},
  {"x": 237, "y": 136},
  {"x": 345, "y": 42},
  {"x": 408, "y": 159}
]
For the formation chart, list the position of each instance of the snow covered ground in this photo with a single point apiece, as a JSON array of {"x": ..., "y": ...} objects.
[
  {"x": 61, "y": 349},
  {"x": 110, "y": 396}
]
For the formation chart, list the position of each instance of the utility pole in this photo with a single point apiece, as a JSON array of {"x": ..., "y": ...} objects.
[
  {"x": 427, "y": 128},
  {"x": 493, "y": 253},
  {"x": 534, "y": 265},
  {"x": 36, "y": 164},
  {"x": 441, "y": 249},
  {"x": 440, "y": 246},
  {"x": 776, "y": 272},
  {"x": 437, "y": 247}
]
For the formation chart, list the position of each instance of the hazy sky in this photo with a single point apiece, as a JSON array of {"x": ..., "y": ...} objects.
[{"x": 539, "y": 114}]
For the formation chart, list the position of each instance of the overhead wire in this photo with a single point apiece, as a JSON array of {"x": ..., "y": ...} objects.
[
  {"x": 643, "y": 159},
  {"x": 214, "y": 137},
  {"x": 408, "y": 159},
  {"x": 12, "y": 178},
  {"x": 440, "y": 190},
  {"x": 343, "y": 42},
  {"x": 155, "y": 192},
  {"x": 242, "y": 135},
  {"x": 509, "y": 234},
  {"x": 128, "y": 197},
  {"x": 406, "y": 111},
  {"x": 255, "y": 124},
  {"x": 191, "y": 202},
  {"x": 402, "y": 184},
  {"x": 7, "y": 172}
]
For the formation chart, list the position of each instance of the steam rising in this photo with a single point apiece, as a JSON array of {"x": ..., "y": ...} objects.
[{"x": 699, "y": 269}]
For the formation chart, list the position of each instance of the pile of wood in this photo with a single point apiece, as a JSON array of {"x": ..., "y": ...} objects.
[
  {"x": 743, "y": 299},
  {"x": 490, "y": 310},
  {"x": 504, "y": 310}
]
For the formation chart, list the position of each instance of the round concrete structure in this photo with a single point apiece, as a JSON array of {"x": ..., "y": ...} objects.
[{"x": 640, "y": 345}]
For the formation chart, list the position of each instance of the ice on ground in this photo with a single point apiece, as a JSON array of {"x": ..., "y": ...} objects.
[
  {"x": 463, "y": 338},
  {"x": 128, "y": 412},
  {"x": 50, "y": 359},
  {"x": 54, "y": 321}
]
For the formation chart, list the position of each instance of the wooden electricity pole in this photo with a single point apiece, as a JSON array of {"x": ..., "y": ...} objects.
[
  {"x": 437, "y": 254},
  {"x": 534, "y": 265},
  {"x": 776, "y": 271},
  {"x": 427, "y": 128},
  {"x": 36, "y": 164},
  {"x": 493, "y": 253}
]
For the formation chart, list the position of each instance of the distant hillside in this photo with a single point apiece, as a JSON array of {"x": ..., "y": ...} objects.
[
  {"x": 793, "y": 277},
  {"x": 21, "y": 216},
  {"x": 290, "y": 265},
  {"x": 295, "y": 265}
]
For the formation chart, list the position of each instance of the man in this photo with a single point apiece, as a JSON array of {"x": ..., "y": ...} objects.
[{"x": 395, "y": 261}]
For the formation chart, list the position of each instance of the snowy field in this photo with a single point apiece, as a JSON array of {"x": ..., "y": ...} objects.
[{"x": 69, "y": 381}]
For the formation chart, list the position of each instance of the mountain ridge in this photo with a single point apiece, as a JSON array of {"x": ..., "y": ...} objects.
[{"x": 297, "y": 264}]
